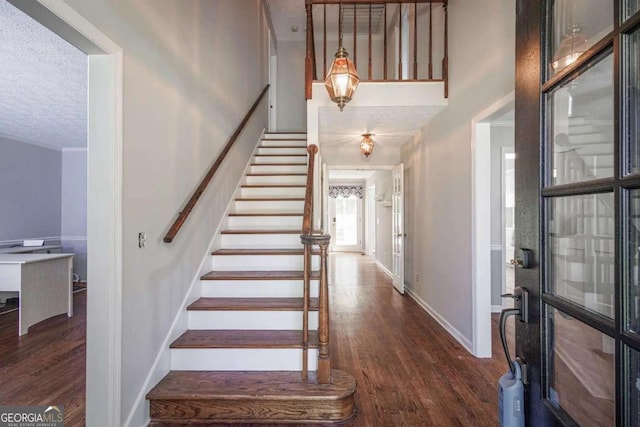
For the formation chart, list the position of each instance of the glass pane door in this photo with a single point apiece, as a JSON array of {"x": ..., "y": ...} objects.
[{"x": 346, "y": 221}]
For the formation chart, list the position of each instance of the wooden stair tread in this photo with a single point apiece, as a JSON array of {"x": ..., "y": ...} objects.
[
  {"x": 269, "y": 199},
  {"x": 292, "y": 251},
  {"x": 251, "y": 304},
  {"x": 277, "y": 174},
  {"x": 258, "y": 275},
  {"x": 272, "y": 186},
  {"x": 285, "y": 231},
  {"x": 265, "y": 214},
  {"x": 233, "y": 385},
  {"x": 242, "y": 338},
  {"x": 283, "y": 146},
  {"x": 280, "y": 155},
  {"x": 278, "y": 164}
]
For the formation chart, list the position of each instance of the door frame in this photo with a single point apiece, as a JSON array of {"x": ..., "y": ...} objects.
[
  {"x": 480, "y": 233},
  {"x": 370, "y": 215},
  {"x": 104, "y": 202}
]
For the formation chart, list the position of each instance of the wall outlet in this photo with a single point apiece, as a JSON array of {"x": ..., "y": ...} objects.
[{"x": 142, "y": 239}]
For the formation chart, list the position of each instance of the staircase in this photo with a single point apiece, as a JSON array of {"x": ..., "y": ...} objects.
[{"x": 241, "y": 359}]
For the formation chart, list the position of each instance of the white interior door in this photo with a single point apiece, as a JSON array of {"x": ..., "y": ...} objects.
[
  {"x": 397, "y": 225},
  {"x": 370, "y": 236}
]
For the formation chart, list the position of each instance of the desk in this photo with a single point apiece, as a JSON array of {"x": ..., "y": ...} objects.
[
  {"x": 44, "y": 284},
  {"x": 46, "y": 249}
]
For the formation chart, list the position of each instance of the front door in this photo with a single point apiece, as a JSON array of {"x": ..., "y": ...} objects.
[{"x": 577, "y": 143}]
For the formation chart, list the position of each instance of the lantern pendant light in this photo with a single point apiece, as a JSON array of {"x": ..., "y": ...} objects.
[
  {"x": 342, "y": 79},
  {"x": 366, "y": 146}
]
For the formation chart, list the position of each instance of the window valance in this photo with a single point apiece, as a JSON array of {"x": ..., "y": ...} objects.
[{"x": 345, "y": 191}]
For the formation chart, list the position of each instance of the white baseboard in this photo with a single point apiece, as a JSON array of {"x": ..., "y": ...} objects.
[
  {"x": 162, "y": 363},
  {"x": 496, "y": 308},
  {"x": 464, "y": 341},
  {"x": 385, "y": 269}
]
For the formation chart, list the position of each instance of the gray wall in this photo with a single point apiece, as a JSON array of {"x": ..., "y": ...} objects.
[
  {"x": 30, "y": 194},
  {"x": 384, "y": 186},
  {"x": 501, "y": 136},
  {"x": 74, "y": 208},
  {"x": 291, "y": 107}
]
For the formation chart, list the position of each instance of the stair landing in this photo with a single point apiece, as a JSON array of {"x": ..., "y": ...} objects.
[{"x": 204, "y": 397}]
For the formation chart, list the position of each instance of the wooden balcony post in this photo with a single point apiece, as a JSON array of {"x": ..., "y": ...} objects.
[
  {"x": 445, "y": 60},
  {"x": 308, "y": 60}
]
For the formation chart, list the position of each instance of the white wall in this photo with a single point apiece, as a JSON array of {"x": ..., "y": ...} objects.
[
  {"x": 481, "y": 71},
  {"x": 191, "y": 72},
  {"x": 292, "y": 106},
  {"x": 384, "y": 187},
  {"x": 74, "y": 208}
]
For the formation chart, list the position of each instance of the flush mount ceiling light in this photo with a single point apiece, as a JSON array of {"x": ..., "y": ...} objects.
[
  {"x": 366, "y": 146},
  {"x": 342, "y": 79},
  {"x": 571, "y": 47}
]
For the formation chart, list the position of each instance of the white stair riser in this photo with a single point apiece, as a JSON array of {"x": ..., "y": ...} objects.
[
  {"x": 278, "y": 168},
  {"x": 240, "y": 359},
  {"x": 278, "y": 159},
  {"x": 256, "y": 288},
  {"x": 260, "y": 241},
  {"x": 250, "y": 320},
  {"x": 261, "y": 262},
  {"x": 272, "y": 192},
  {"x": 282, "y": 149},
  {"x": 264, "y": 222},
  {"x": 266, "y": 206},
  {"x": 276, "y": 179},
  {"x": 590, "y": 138}
]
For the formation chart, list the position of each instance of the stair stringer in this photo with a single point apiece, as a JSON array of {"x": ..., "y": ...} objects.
[{"x": 162, "y": 363}]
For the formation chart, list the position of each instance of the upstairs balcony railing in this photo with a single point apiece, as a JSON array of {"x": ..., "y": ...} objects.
[{"x": 386, "y": 40}]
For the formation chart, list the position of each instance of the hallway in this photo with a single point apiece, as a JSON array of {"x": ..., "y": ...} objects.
[{"x": 410, "y": 372}]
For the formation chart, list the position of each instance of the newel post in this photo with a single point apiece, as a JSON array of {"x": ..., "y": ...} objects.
[{"x": 324, "y": 360}]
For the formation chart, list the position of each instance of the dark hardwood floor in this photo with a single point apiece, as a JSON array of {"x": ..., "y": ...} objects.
[
  {"x": 47, "y": 365},
  {"x": 410, "y": 372}
]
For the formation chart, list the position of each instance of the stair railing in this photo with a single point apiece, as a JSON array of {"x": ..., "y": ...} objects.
[
  {"x": 426, "y": 40},
  {"x": 309, "y": 240},
  {"x": 191, "y": 203}
]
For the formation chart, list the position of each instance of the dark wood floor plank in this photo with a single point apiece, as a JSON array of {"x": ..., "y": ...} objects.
[
  {"x": 47, "y": 365},
  {"x": 235, "y": 338}
]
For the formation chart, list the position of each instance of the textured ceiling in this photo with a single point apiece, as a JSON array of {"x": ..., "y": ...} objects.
[
  {"x": 43, "y": 84},
  {"x": 284, "y": 15},
  {"x": 391, "y": 126}
]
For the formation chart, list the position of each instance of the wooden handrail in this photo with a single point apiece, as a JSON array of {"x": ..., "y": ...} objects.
[{"x": 184, "y": 214}]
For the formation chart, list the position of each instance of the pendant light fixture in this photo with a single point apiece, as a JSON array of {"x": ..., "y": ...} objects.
[
  {"x": 366, "y": 146},
  {"x": 570, "y": 48},
  {"x": 342, "y": 79}
]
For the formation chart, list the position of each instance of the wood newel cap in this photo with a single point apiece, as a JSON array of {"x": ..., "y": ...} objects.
[
  {"x": 315, "y": 239},
  {"x": 312, "y": 149}
]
